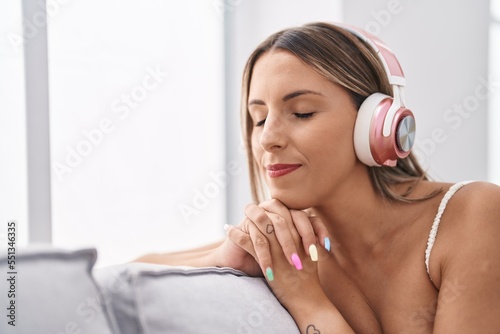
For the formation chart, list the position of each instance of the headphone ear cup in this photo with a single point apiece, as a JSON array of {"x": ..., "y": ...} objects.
[
  {"x": 370, "y": 112},
  {"x": 370, "y": 144}
]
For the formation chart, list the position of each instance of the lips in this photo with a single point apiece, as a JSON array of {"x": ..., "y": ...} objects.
[{"x": 278, "y": 170}]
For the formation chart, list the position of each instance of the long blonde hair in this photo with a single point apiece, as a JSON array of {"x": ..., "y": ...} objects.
[{"x": 343, "y": 59}]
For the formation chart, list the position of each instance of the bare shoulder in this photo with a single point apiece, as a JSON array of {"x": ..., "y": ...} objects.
[
  {"x": 471, "y": 222},
  {"x": 478, "y": 205},
  {"x": 472, "y": 216},
  {"x": 466, "y": 261}
]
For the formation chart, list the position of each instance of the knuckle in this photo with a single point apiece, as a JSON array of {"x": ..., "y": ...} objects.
[
  {"x": 266, "y": 203},
  {"x": 241, "y": 239},
  {"x": 296, "y": 214},
  {"x": 274, "y": 202},
  {"x": 279, "y": 222},
  {"x": 238, "y": 238},
  {"x": 261, "y": 218},
  {"x": 261, "y": 242},
  {"x": 256, "y": 214}
]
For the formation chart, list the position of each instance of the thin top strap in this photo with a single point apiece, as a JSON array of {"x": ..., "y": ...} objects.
[{"x": 435, "y": 226}]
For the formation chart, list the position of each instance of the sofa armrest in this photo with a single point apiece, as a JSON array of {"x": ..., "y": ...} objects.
[{"x": 154, "y": 299}]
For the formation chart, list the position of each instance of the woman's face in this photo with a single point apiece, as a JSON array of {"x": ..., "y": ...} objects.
[{"x": 302, "y": 137}]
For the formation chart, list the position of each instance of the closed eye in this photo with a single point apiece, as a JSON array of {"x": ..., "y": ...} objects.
[
  {"x": 298, "y": 115},
  {"x": 260, "y": 123},
  {"x": 305, "y": 115}
]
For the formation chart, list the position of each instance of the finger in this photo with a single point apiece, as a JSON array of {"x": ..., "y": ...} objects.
[
  {"x": 277, "y": 225},
  {"x": 262, "y": 250},
  {"x": 306, "y": 231},
  {"x": 285, "y": 239},
  {"x": 276, "y": 206},
  {"x": 257, "y": 215},
  {"x": 240, "y": 238},
  {"x": 323, "y": 254},
  {"x": 255, "y": 243},
  {"x": 260, "y": 216},
  {"x": 244, "y": 240},
  {"x": 321, "y": 232}
]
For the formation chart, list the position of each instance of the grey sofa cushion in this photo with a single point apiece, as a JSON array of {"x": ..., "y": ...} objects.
[
  {"x": 54, "y": 292},
  {"x": 154, "y": 299}
]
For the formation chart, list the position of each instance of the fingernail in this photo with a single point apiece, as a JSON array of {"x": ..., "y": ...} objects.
[
  {"x": 327, "y": 243},
  {"x": 269, "y": 274},
  {"x": 313, "y": 252},
  {"x": 226, "y": 227},
  {"x": 296, "y": 261}
]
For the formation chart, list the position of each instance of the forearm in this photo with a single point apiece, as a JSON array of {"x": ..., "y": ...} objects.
[{"x": 198, "y": 257}]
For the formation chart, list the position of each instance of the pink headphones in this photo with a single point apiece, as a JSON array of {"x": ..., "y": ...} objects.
[{"x": 385, "y": 129}]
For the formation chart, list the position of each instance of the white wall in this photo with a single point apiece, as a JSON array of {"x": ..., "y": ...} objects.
[
  {"x": 443, "y": 48},
  {"x": 137, "y": 123},
  {"x": 13, "y": 179}
]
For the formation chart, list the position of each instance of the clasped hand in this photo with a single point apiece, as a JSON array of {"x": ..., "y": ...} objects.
[{"x": 284, "y": 244}]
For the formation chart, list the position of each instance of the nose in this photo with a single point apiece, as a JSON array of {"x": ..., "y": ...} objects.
[{"x": 273, "y": 135}]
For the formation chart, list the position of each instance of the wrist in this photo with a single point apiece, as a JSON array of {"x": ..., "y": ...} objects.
[
  {"x": 308, "y": 302},
  {"x": 318, "y": 311}
]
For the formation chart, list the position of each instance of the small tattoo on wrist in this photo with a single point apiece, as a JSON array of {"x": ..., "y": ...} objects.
[{"x": 311, "y": 329}]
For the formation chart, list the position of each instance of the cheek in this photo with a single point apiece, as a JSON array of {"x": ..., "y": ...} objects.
[
  {"x": 332, "y": 147},
  {"x": 256, "y": 149}
]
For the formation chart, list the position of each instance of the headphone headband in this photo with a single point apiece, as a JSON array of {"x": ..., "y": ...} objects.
[
  {"x": 385, "y": 129},
  {"x": 387, "y": 57}
]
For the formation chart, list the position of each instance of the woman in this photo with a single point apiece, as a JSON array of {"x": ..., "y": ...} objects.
[{"x": 344, "y": 243}]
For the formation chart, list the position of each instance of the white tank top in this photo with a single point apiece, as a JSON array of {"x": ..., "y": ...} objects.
[{"x": 435, "y": 226}]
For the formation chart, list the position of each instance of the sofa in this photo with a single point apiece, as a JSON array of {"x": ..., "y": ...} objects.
[{"x": 54, "y": 291}]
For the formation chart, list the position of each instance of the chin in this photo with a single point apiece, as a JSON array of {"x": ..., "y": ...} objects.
[{"x": 291, "y": 200}]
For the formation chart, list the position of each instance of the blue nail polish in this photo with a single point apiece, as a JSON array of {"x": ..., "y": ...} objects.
[{"x": 327, "y": 244}]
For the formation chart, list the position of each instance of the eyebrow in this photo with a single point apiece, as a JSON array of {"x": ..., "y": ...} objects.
[{"x": 287, "y": 97}]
